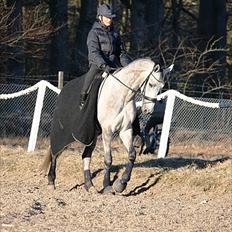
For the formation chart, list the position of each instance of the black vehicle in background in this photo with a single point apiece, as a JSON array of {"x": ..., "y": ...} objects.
[{"x": 151, "y": 133}]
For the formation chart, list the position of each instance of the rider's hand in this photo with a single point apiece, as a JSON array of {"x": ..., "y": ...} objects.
[{"x": 107, "y": 69}]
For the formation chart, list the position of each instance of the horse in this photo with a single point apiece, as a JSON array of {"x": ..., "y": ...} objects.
[{"x": 116, "y": 111}]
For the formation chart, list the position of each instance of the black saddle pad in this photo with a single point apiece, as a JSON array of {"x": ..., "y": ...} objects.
[
  {"x": 69, "y": 122},
  {"x": 86, "y": 125}
]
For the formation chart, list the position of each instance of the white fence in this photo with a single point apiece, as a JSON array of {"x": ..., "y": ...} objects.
[
  {"x": 186, "y": 120},
  {"x": 26, "y": 111},
  {"x": 192, "y": 122}
]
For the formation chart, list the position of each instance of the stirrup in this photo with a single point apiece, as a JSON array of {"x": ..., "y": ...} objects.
[{"x": 83, "y": 98}]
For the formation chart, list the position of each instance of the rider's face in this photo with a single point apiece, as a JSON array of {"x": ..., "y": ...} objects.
[{"x": 106, "y": 21}]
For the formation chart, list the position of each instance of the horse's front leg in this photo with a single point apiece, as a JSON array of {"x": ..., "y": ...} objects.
[
  {"x": 86, "y": 157},
  {"x": 106, "y": 137},
  {"x": 120, "y": 184}
]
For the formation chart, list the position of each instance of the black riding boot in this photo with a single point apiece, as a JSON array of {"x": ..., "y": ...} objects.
[{"x": 83, "y": 98}]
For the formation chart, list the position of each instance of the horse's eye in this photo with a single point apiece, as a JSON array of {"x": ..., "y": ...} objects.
[{"x": 150, "y": 85}]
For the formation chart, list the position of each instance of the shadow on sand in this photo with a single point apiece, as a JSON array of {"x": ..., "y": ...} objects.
[{"x": 165, "y": 165}]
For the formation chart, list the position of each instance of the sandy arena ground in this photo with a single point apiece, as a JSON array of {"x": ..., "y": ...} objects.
[{"x": 178, "y": 193}]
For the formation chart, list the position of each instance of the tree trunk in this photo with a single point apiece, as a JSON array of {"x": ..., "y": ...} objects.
[
  {"x": 212, "y": 23},
  {"x": 138, "y": 25},
  {"x": 154, "y": 19},
  {"x": 146, "y": 21},
  {"x": 175, "y": 25},
  {"x": 87, "y": 18},
  {"x": 59, "y": 45},
  {"x": 118, "y": 9}
]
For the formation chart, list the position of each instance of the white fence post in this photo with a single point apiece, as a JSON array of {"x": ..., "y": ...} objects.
[
  {"x": 36, "y": 117},
  {"x": 166, "y": 124},
  {"x": 60, "y": 79}
]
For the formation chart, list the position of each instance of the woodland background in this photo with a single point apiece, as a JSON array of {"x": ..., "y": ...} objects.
[{"x": 41, "y": 37}]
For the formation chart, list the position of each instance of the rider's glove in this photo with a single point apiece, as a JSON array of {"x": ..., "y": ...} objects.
[{"x": 106, "y": 68}]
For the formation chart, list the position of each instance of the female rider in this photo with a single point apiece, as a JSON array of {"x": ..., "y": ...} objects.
[{"x": 105, "y": 48}]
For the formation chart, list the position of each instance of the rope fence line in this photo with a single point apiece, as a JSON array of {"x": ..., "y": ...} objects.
[
  {"x": 29, "y": 90},
  {"x": 48, "y": 102}
]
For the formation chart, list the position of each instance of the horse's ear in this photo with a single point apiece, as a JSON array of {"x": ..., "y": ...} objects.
[
  {"x": 168, "y": 69},
  {"x": 156, "y": 68}
]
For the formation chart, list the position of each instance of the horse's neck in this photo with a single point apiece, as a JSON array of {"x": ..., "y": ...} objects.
[
  {"x": 131, "y": 85},
  {"x": 132, "y": 81},
  {"x": 121, "y": 86}
]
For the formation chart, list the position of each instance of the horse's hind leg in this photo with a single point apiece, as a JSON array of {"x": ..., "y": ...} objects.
[
  {"x": 86, "y": 157},
  {"x": 120, "y": 184},
  {"x": 52, "y": 170}
]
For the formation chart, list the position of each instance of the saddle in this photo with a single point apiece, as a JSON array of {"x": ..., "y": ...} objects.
[{"x": 86, "y": 125}]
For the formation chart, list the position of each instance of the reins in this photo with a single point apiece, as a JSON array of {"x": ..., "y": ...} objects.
[
  {"x": 144, "y": 83},
  {"x": 128, "y": 87}
]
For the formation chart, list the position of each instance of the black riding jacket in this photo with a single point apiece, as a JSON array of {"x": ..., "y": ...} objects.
[{"x": 105, "y": 47}]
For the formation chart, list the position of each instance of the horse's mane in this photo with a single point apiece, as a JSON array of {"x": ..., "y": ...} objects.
[{"x": 141, "y": 64}]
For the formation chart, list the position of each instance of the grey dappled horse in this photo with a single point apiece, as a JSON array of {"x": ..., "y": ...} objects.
[{"x": 116, "y": 112}]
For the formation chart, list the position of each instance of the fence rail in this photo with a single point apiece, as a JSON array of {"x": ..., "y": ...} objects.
[{"x": 28, "y": 112}]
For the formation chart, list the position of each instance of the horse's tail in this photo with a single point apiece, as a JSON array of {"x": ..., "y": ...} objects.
[{"x": 47, "y": 161}]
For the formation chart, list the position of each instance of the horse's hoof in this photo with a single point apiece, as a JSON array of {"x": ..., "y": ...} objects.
[
  {"x": 108, "y": 190},
  {"x": 51, "y": 186},
  {"x": 90, "y": 189},
  {"x": 118, "y": 186},
  {"x": 93, "y": 190}
]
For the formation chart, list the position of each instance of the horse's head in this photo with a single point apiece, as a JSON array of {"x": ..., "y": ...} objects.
[{"x": 151, "y": 87}]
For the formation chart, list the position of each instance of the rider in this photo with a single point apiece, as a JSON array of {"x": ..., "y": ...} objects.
[{"x": 105, "y": 48}]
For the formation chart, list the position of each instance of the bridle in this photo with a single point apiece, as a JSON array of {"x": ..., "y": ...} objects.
[
  {"x": 155, "y": 69},
  {"x": 144, "y": 83}
]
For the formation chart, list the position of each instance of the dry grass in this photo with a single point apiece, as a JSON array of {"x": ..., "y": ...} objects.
[
  {"x": 200, "y": 143},
  {"x": 221, "y": 147},
  {"x": 179, "y": 193},
  {"x": 199, "y": 149}
]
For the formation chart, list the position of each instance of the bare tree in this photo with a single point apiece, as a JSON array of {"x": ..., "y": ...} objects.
[
  {"x": 17, "y": 36},
  {"x": 15, "y": 65},
  {"x": 192, "y": 63}
]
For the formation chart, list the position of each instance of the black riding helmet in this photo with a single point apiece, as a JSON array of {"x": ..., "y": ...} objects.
[{"x": 106, "y": 10}]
